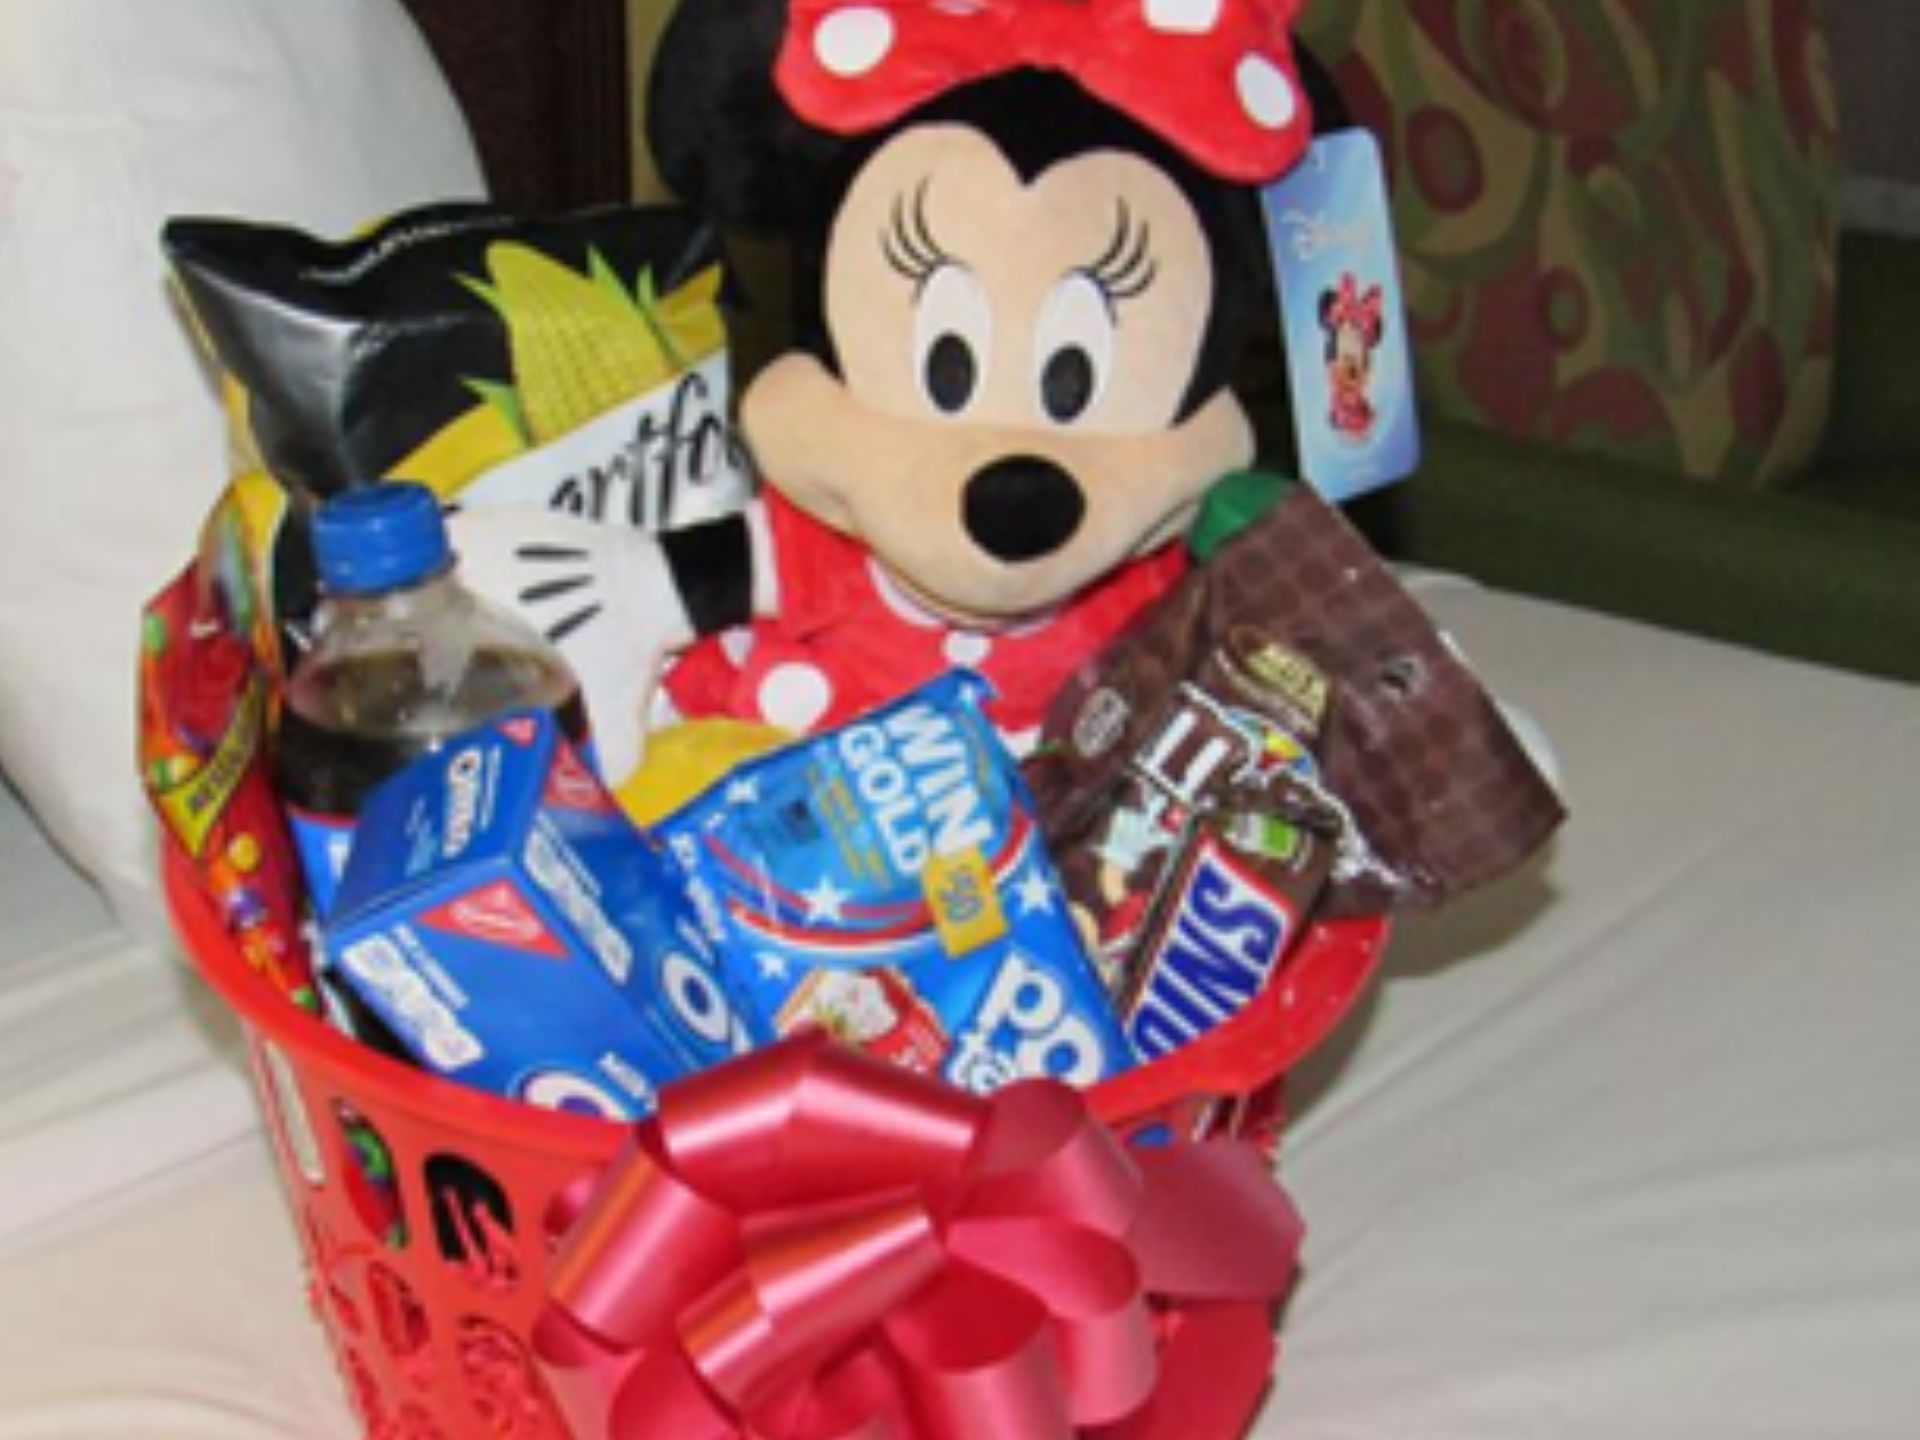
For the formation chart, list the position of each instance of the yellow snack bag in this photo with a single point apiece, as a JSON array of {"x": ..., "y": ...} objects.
[{"x": 684, "y": 759}]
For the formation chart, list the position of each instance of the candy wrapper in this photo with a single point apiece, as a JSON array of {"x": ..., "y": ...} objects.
[
  {"x": 887, "y": 881},
  {"x": 256, "y": 566},
  {"x": 1204, "y": 852},
  {"x": 1359, "y": 720},
  {"x": 204, "y": 702}
]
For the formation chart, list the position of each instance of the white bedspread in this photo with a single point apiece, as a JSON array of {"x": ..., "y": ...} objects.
[{"x": 1627, "y": 1148}]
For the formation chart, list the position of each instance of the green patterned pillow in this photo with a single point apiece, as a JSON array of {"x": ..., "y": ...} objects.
[{"x": 1617, "y": 217}]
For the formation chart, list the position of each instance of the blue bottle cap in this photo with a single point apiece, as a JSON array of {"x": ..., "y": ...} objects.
[{"x": 381, "y": 537}]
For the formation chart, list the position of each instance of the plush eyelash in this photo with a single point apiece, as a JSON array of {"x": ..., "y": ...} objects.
[
  {"x": 910, "y": 247},
  {"x": 1127, "y": 267}
]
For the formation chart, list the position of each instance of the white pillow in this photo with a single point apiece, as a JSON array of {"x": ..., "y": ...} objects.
[{"x": 114, "y": 115}]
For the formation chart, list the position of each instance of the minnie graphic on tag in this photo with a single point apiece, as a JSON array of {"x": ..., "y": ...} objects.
[{"x": 1353, "y": 321}]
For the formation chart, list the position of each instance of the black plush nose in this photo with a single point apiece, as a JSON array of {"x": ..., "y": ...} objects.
[{"x": 1022, "y": 508}]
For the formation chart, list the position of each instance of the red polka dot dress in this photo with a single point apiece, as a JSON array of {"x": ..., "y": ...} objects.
[{"x": 847, "y": 638}]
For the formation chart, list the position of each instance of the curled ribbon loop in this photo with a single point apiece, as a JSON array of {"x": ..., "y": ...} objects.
[
  {"x": 808, "y": 1244},
  {"x": 1217, "y": 79}
]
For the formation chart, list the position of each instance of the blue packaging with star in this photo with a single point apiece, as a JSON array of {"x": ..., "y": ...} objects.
[
  {"x": 515, "y": 931},
  {"x": 887, "y": 880}
]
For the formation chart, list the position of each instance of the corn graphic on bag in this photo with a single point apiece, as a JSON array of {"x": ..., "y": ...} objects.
[{"x": 576, "y": 363}]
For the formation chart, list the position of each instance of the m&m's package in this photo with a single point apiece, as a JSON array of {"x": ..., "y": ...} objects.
[
  {"x": 1343, "y": 679},
  {"x": 204, "y": 703},
  {"x": 887, "y": 881}
]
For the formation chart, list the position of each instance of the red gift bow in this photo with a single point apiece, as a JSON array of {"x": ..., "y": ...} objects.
[
  {"x": 1215, "y": 78},
  {"x": 1350, "y": 307},
  {"x": 808, "y": 1244}
]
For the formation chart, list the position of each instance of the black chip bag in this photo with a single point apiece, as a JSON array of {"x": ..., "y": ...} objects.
[
  {"x": 575, "y": 363},
  {"x": 452, "y": 340}
]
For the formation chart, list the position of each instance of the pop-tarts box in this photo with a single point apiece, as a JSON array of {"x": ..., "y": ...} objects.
[
  {"x": 515, "y": 931},
  {"x": 887, "y": 881}
]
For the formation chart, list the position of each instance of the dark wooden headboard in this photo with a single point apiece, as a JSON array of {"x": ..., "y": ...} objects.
[{"x": 546, "y": 91}]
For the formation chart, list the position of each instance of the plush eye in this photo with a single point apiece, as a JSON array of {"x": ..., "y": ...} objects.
[
  {"x": 953, "y": 332},
  {"x": 1073, "y": 348}
]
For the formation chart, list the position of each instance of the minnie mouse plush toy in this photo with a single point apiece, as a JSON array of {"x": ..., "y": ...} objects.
[{"x": 1029, "y": 250}]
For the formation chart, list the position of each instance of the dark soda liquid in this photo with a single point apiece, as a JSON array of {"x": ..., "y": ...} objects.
[{"x": 328, "y": 770}]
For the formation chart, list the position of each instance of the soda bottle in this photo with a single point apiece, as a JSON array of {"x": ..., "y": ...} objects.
[{"x": 403, "y": 658}]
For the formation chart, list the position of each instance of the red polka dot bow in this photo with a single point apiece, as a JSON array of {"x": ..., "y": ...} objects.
[{"x": 1215, "y": 78}]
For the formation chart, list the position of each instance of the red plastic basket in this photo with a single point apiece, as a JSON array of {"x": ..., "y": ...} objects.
[{"x": 421, "y": 1204}]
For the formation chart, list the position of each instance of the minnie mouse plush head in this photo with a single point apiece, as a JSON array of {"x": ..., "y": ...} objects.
[
  {"x": 1030, "y": 256},
  {"x": 1028, "y": 249}
]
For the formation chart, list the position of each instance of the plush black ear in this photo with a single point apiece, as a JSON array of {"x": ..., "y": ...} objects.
[
  {"x": 721, "y": 136},
  {"x": 1329, "y": 106}
]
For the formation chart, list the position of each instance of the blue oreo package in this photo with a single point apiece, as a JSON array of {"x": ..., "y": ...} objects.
[
  {"x": 514, "y": 930},
  {"x": 887, "y": 881}
]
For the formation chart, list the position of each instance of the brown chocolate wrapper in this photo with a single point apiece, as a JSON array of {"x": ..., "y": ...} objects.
[
  {"x": 1191, "y": 775},
  {"x": 1298, "y": 620}
]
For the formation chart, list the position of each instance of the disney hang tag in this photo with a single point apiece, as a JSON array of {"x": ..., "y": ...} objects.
[{"x": 1341, "y": 312}]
